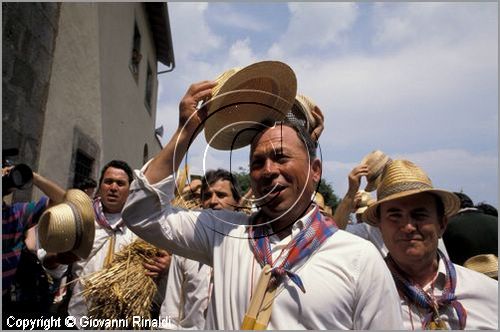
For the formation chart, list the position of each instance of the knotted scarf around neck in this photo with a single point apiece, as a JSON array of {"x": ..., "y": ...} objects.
[
  {"x": 416, "y": 295},
  {"x": 317, "y": 229},
  {"x": 100, "y": 217}
]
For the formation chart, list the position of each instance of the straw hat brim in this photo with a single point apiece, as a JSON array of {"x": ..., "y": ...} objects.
[
  {"x": 57, "y": 229},
  {"x": 450, "y": 201},
  {"x": 263, "y": 90},
  {"x": 486, "y": 263}
]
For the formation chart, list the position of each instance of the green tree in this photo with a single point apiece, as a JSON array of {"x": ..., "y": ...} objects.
[
  {"x": 326, "y": 190},
  {"x": 243, "y": 178}
]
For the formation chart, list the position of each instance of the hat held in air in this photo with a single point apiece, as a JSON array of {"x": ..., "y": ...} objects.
[
  {"x": 69, "y": 226},
  {"x": 243, "y": 98}
]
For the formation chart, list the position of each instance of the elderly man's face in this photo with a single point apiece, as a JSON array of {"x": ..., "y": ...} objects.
[
  {"x": 281, "y": 172},
  {"x": 411, "y": 227}
]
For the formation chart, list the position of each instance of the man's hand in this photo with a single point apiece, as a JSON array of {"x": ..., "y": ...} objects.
[
  {"x": 355, "y": 179},
  {"x": 190, "y": 117},
  {"x": 190, "y": 120},
  {"x": 159, "y": 264},
  {"x": 6, "y": 170},
  {"x": 53, "y": 260},
  {"x": 319, "y": 126}
]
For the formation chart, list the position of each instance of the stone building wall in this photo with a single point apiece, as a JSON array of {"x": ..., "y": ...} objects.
[{"x": 28, "y": 41}]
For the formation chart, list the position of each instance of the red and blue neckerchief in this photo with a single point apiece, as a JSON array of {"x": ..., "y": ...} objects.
[
  {"x": 416, "y": 295},
  {"x": 317, "y": 228},
  {"x": 101, "y": 218}
]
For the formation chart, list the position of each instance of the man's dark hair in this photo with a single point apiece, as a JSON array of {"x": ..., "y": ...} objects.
[
  {"x": 299, "y": 128},
  {"x": 213, "y": 176},
  {"x": 487, "y": 209},
  {"x": 118, "y": 164},
  {"x": 86, "y": 183},
  {"x": 465, "y": 201}
]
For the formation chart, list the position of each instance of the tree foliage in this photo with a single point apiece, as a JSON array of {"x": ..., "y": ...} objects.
[{"x": 326, "y": 190}]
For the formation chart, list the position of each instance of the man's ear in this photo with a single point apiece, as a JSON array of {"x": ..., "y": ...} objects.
[
  {"x": 442, "y": 225},
  {"x": 316, "y": 169}
]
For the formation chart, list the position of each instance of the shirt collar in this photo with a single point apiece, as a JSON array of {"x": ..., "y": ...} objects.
[{"x": 296, "y": 227}]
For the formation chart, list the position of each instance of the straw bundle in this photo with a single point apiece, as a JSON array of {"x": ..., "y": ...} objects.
[
  {"x": 122, "y": 290},
  {"x": 184, "y": 203}
]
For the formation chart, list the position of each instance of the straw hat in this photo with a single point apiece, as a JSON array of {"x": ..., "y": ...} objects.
[
  {"x": 366, "y": 200},
  {"x": 69, "y": 226},
  {"x": 487, "y": 264},
  {"x": 402, "y": 178},
  {"x": 243, "y": 98},
  {"x": 376, "y": 161},
  {"x": 319, "y": 200},
  {"x": 308, "y": 114}
]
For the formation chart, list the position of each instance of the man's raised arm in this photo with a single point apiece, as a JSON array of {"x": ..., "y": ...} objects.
[{"x": 190, "y": 120}]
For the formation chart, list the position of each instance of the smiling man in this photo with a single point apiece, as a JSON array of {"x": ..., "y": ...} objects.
[
  {"x": 321, "y": 277},
  {"x": 435, "y": 293}
]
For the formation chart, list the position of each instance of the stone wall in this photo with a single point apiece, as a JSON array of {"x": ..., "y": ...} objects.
[{"x": 28, "y": 40}]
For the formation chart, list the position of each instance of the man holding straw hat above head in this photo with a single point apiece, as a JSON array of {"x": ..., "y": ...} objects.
[
  {"x": 435, "y": 293},
  {"x": 287, "y": 266}
]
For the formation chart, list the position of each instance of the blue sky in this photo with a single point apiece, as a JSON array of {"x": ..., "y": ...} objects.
[{"x": 418, "y": 81}]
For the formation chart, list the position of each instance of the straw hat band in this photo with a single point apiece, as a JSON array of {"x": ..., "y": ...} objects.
[
  {"x": 402, "y": 187},
  {"x": 78, "y": 225}
]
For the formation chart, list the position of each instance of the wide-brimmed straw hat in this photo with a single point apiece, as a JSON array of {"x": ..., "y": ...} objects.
[
  {"x": 376, "y": 161},
  {"x": 243, "y": 98},
  {"x": 487, "y": 264},
  {"x": 68, "y": 226},
  {"x": 402, "y": 178}
]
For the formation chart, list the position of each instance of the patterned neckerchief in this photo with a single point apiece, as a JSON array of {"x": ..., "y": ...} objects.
[
  {"x": 101, "y": 218},
  {"x": 316, "y": 230},
  {"x": 417, "y": 296}
]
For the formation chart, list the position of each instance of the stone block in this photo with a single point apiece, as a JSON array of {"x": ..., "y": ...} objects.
[
  {"x": 23, "y": 76},
  {"x": 7, "y": 62}
]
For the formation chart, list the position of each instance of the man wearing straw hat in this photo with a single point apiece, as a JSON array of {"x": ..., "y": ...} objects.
[
  {"x": 357, "y": 201},
  {"x": 286, "y": 266},
  {"x": 435, "y": 293}
]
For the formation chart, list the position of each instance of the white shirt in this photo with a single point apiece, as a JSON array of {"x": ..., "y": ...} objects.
[
  {"x": 370, "y": 233},
  {"x": 477, "y": 293},
  {"x": 188, "y": 293},
  {"x": 84, "y": 268},
  {"x": 346, "y": 280}
]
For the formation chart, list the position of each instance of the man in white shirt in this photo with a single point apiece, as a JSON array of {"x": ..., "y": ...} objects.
[
  {"x": 435, "y": 293},
  {"x": 353, "y": 202},
  {"x": 110, "y": 230},
  {"x": 189, "y": 286},
  {"x": 323, "y": 278}
]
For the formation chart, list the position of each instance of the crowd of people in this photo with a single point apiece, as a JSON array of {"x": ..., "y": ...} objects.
[{"x": 410, "y": 256}]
